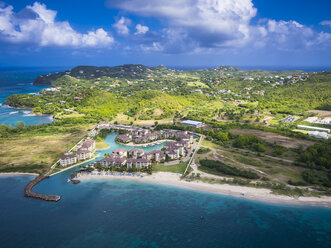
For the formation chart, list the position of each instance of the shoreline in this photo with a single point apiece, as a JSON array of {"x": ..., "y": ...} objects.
[
  {"x": 18, "y": 174},
  {"x": 72, "y": 166},
  {"x": 172, "y": 179}
]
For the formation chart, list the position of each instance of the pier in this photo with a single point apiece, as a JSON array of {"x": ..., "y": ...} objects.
[{"x": 29, "y": 193}]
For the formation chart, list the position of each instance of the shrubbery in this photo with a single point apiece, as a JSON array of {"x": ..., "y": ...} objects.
[{"x": 228, "y": 170}]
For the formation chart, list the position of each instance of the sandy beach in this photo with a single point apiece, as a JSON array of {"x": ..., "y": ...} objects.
[
  {"x": 17, "y": 174},
  {"x": 239, "y": 191}
]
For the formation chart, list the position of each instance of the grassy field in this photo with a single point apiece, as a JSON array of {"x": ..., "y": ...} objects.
[
  {"x": 275, "y": 138},
  {"x": 197, "y": 84},
  {"x": 177, "y": 168},
  {"x": 35, "y": 152},
  {"x": 275, "y": 170},
  {"x": 101, "y": 144}
]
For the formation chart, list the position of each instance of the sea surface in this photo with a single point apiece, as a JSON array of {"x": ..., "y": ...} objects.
[
  {"x": 106, "y": 213},
  {"x": 20, "y": 81},
  {"x": 117, "y": 213}
]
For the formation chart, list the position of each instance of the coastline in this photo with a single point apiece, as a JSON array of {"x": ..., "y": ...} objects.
[
  {"x": 17, "y": 174},
  {"x": 72, "y": 166},
  {"x": 259, "y": 194}
]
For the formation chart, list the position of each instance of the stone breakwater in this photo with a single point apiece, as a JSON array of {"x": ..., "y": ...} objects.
[
  {"x": 29, "y": 193},
  {"x": 73, "y": 175}
]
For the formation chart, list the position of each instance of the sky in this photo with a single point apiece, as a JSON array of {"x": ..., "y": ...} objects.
[{"x": 175, "y": 33}]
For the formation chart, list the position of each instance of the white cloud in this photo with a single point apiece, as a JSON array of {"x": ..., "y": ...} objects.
[
  {"x": 326, "y": 23},
  {"x": 213, "y": 24},
  {"x": 210, "y": 22},
  {"x": 38, "y": 26},
  {"x": 141, "y": 29},
  {"x": 122, "y": 26},
  {"x": 291, "y": 35},
  {"x": 154, "y": 47}
]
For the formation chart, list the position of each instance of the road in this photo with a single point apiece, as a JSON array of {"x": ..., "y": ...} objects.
[{"x": 195, "y": 151}]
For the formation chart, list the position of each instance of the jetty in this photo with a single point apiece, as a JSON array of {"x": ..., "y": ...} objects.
[
  {"x": 73, "y": 176},
  {"x": 29, "y": 193}
]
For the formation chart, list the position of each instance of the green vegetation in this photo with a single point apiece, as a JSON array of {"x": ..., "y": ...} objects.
[
  {"x": 223, "y": 169},
  {"x": 177, "y": 168},
  {"x": 246, "y": 113},
  {"x": 302, "y": 96},
  {"x": 203, "y": 150},
  {"x": 100, "y": 144},
  {"x": 249, "y": 141},
  {"x": 36, "y": 148}
]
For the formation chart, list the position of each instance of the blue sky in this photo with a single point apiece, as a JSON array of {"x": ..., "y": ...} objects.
[{"x": 293, "y": 33}]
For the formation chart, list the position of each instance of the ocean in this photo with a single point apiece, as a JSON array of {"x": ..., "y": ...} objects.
[
  {"x": 119, "y": 214},
  {"x": 20, "y": 81},
  {"x": 106, "y": 213}
]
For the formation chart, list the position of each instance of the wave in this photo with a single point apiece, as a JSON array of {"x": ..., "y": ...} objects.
[
  {"x": 13, "y": 112},
  {"x": 26, "y": 113}
]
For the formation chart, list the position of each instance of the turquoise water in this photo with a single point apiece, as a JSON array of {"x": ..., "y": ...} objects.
[
  {"x": 19, "y": 81},
  {"x": 110, "y": 139},
  {"x": 140, "y": 214}
]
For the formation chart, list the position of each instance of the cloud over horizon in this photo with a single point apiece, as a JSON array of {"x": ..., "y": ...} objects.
[
  {"x": 195, "y": 25},
  {"x": 37, "y": 25}
]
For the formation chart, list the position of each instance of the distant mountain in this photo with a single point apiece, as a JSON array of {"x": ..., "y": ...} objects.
[{"x": 89, "y": 72}]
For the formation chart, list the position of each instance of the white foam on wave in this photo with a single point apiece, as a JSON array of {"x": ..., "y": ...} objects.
[
  {"x": 26, "y": 113},
  {"x": 14, "y": 112}
]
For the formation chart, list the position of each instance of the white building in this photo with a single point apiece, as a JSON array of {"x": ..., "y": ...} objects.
[
  {"x": 83, "y": 154},
  {"x": 196, "y": 124},
  {"x": 68, "y": 159}
]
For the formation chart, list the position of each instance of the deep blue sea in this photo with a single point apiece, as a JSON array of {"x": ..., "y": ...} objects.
[{"x": 146, "y": 215}]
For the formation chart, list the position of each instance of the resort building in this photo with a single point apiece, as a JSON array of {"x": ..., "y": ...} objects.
[
  {"x": 124, "y": 138},
  {"x": 173, "y": 153},
  {"x": 136, "y": 153},
  {"x": 141, "y": 139},
  {"x": 139, "y": 163},
  {"x": 113, "y": 161},
  {"x": 157, "y": 156},
  {"x": 83, "y": 154},
  {"x": 103, "y": 125},
  {"x": 140, "y": 132},
  {"x": 122, "y": 153},
  {"x": 88, "y": 144},
  {"x": 68, "y": 159}
]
